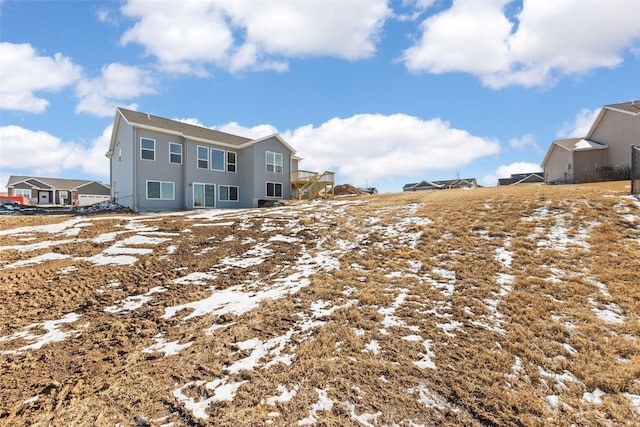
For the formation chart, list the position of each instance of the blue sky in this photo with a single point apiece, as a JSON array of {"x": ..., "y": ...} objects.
[{"x": 381, "y": 92}]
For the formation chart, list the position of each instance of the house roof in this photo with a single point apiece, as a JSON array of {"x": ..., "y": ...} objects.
[
  {"x": 51, "y": 183},
  {"x": 574, "y": 144},
  {"x": 448, "y": 183},
  {"x": 185, "y": 130},
  {"x": 632, "y": 107},
  {"x": 522, "y": 178},
  {"x": 182, "y": 128}
]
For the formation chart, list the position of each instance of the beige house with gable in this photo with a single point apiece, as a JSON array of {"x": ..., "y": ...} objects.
[{"x": 606, "y": 149}]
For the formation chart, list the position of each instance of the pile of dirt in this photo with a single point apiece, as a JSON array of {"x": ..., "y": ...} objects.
[{"x": 346, "y": 190}]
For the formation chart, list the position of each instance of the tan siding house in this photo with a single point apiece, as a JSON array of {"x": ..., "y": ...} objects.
[{"x": 606, "y": 145}]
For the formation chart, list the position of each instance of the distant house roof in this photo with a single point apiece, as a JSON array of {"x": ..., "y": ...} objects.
[
  {"x": 186, "y": 130},
  {"x": 522, "y": 178},
  {"x": 441, "y": 185},
  {"x": 51, "y": 183},
  {"x": 574, "y": 144}
]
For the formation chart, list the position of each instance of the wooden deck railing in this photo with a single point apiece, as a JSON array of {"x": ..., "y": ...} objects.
[{"x": 309, "y": 185}]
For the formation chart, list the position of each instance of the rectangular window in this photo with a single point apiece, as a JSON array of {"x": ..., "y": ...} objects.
[
  {"x": 204, "y": 195},
  {"x": 231, "y": 161},
  {"x": 161, "y": 190},
  {"x": 147, "y": 149},
  {"x": 217, "y": 159},
  {"x": 175, "y": 153},
  {"x": 274, "y": 162},
  {"x": 24, "y": 192},
  {"x": 228, "y": 193},
  {"x": 274, "y": 189},
  {"x": 203, "y": 157}
]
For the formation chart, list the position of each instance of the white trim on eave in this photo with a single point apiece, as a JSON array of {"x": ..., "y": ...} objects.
[
  {"x": 112, "y": 143},
  {"x": 275, "y": 135}
]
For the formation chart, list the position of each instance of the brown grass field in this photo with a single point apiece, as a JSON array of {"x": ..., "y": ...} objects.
[{"x": 513, "y": 306}]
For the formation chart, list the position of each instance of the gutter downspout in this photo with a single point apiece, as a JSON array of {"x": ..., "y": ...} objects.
[
  {"x": 135, "y": 172},
  {"x": 185, "y": 184}
]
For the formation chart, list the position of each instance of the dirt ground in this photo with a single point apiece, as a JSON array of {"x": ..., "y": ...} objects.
[{"x": 502, "y": 306}]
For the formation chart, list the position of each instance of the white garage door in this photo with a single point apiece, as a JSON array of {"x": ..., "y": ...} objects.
[{"x": 90, "y": 199}]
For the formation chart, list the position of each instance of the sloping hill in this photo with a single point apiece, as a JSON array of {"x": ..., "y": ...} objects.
[{"x": 505, "y": 306}]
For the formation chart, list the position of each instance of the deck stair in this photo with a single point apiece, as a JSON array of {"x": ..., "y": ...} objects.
[{"x": 309, "y": 185}]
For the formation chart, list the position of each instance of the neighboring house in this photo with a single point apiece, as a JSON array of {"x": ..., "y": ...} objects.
[
  {"x": 522, "y": 178},
  {"x": 603, "y": 153},
  {"x": 441, "y": 185},
  {"x": 162, "y": 164},
  {"x": 58, "y": 191}
]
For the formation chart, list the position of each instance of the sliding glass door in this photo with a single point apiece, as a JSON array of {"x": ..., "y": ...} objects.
[{"x": 204, "y": 195}]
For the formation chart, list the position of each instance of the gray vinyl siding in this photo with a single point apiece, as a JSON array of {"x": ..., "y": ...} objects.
[
  {"x": 261, "y": 176},
  {"x": 130, "y": 173},
  {"x": 159, "y": 169},
  {"x": 122, "y": 166},
  {"x": 618, "y": 130},
  {"x": 216, "y": 177}
]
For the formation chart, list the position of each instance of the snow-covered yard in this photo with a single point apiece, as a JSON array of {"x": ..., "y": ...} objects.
[{"x": 497, "y": 306}]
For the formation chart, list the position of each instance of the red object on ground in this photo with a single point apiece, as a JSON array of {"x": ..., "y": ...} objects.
[{"x": 20, "y": 199}]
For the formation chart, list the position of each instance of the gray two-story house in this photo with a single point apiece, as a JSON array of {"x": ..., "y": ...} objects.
[{"x": 163, "y": 164}]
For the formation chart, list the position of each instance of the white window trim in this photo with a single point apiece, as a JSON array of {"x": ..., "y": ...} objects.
[
  {"x": 20, "y": 192},
  {"x": 173, "y": 193},
  {"x": 170, "y": 153},
  {"x": 229, "y": 187},
  {"x": 235, "y": 164},
  {"x": 275, "y": 162},
  {"x": 193, "y": 195},
  {"x": 146, "y": 149},
  {"x": 224, "y": 159},
  {"x": 266, "y": 191},
  {"x": 198, "y": 157}
]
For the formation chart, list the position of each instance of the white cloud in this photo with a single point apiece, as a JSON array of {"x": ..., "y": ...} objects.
[
  {"x": 505, "y": 171},
  {"x": 471, "y": 36},
  {"x": 241, "y": 34},
  {"x": 43, "y": 154},
  {"x": 90, "y": 158},
  {"x": 254, "y": 132},
  {"x": 378, "y": 147},
  {"x": 524, "y": 141},
  {"x": 179, "y": 33},
  {"x": 36, "y": 150},
  {"x": 101, "y": 96},
  {"x": 24, "y": 73},
  {"x": 581, "y": 124},
  {"x": 544, "y": 41},
  {"x": 107, "y": 15},
  {"x": 418, "y": 7}
]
